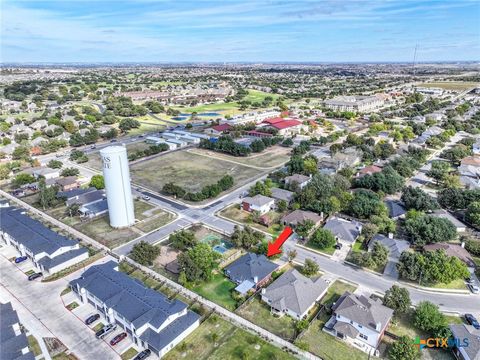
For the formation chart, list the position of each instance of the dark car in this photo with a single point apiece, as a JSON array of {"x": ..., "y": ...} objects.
[
  {"x": 470, "y": 281},
  {"x": 113, "y": 140},
  {"x": 107, "y": 329},
  {"x": 20, "y": 259},
  {"x": 472, "y": 321},
  {"x": 92, "y": 319},
  {"x": 34, "y": 276},
  {"x": 338, "y": 246},
  {"x": 143, "y": 355},
  {"x": 118, "y": 338}
]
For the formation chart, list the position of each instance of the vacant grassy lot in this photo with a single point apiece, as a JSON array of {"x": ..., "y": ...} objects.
[
  {"x": 191, "y": 171},
  {"x": 258, "y": 312},
  {"x": 272, "y": 157},
  {"x": 219, "y": 290},
  {"x": 232, "y": 343},
  {"x": 451, "y": 85},
  {"x": 326, "y": 346},
  {"x": 100, "y": 229}
]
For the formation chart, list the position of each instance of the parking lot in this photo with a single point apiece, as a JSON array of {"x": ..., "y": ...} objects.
[{"x": 83, "y": 311}]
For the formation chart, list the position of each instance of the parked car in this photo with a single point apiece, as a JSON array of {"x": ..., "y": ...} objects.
[
  {"x": 34, "y": 276},
  {"x": 118, "y": 338},
  {"x": 107, "y": 329},
  {"x": 140, "y": 136},
  {"x": 92, "y": 319},
  {"x": 145, "y": 197},
  {"x": 18, "y": 260},
  {"x": 143, "y": 355},
  {"x": 473, "y": 288},
  {"x": 338, "y": 246},
  {"x": 470, "y": 280},
  {"x": 472, "y": 321},
  {"x": 93, "y": 147}
]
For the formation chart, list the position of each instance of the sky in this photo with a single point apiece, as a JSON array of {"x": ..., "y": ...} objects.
[{"x": 262, "y": 31}]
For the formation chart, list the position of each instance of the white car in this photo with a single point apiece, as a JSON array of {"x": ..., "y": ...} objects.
[{"x": 474, "y": 288}]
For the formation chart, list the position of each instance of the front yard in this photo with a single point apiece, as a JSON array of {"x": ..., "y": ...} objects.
[
  {"x": 329, "y": 250},
  {"x": 258, "y": 313},
  {"x": 335, "y": 291},
  {"x": 217, "y": 339}
]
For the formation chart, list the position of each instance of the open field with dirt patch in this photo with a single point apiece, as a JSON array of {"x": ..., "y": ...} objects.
[
  {"x": 95, "y": 162},
  {"x": 188, "y": 170}
]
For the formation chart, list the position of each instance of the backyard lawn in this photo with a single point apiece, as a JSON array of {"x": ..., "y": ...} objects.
[
  {"x": 234, "y": 213},
  {"x": 259, "y": 313},
  {"x": 219, "y": 290},
  {"x": 232, "y": 343},
  {"x": 189, "y": 170},
  {"x": 327, "y": 346}
]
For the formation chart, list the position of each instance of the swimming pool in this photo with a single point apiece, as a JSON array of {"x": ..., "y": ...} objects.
[
  {"x": 201, "y": 114},
  {"x": 220, "y": 249}
]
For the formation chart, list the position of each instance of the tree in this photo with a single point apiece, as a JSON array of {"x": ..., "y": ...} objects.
[
  {"x": 301, "y": 325},
  {"x": 4, "y": 171},
  {"x": 310, "y": 268},
  {"x": 144, "y": 253},
  {"x": 303, "y": 229},
  {"x": 473, "y": 213},
  {"x": 198, "y": 262},
  {"x": 55, "y": 164},
  {"x": 282, "y": 205},
  {"x": 246, "y": 238},
  {"x": 97, "y": 181},
  {"x": 398, "y": 299},
  {"x": 70, "y": 172},
  {"x": 369, "y": 230},
  {"x": 416, "y": 198},
  {"x": 291, "y": 255},
  {"x": 182, "y": 240},
  {"x": 403, "y": 349},
  {"x": 323, "y": 239},
  {"x": 379, "y": 254},
  {"x": 47, "y": 195},
  {"x": 428, "y": 317},
  {"x": 73, "y": 210},
  {"x": 439, "y": 170},
  {"x": 21, "y": 153},
  {"x": 364, "y": 204},
  {"x": 426, "y": 229},
  {"x": 22, "y": 179},
  {"x": 261, "y": 188}
]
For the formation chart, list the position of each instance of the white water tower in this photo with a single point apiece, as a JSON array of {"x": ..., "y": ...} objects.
[{"x": 117, "y": 186}]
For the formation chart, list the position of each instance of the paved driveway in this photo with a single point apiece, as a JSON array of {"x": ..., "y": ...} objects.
[{"x": 43, "y": 302}]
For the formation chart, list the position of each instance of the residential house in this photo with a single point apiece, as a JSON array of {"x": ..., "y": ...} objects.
[
  {"x": 70, "y": 194},
  {"x": 86, "y": 197},
  {"x": 149, "y": 317},
  {"x": 453, "y": 250},
  {"x": 250, "y": 271},
  {"x": 45, "y": 172},
  {"x": 38, "y": 141},
  {"x": 13, "y": 341},
  {"x": 436, "y": 116},
  {"x": 67, "y": 183},
  {"x": 260, "y": 203},
  {"x": 297, "y": 181},
  {"x": 467, "y": 334},
  {"x": 394, "y": 246},
  {"x": 300, "y": 216},
  {"x": 294, "y": 294},
  {"x": 441, "y": 213},
  {"x": 476, "y": 147},
  {"x": 94, "y": 209},
  {"x": 345, "y": 231},
  {"x": 348, "y": 157},
  {"x": 281, "y": 194},
  {"x": 368, "y": 170},
  {"x": 39, "y": 125},
  {"x": 49, "y": 251},
  {"x": 219, "y": 129},
  {"x": 360, "y": 321},
  {"x": 396, "y": 210}
]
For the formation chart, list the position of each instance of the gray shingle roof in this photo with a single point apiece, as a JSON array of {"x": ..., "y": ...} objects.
[
  {"x": 395, "y": 208},
  {"x": 249, "y": 267},
  {"x": 281, "y": 194},
  {"x": 258, "y": 200},
  {"x": 35, "y": 236},
  {"x": 343, "y": 229},
  {"x": 467, "y": 331},
  {"x": 74, "y": 192},
  {"x": 395, "y": 247},
  {"x": 49, "y": 263},
  {"x": 299, "y": 216},
  {"x": 363, "y": 311},
  {"x": 134, "y": 301},
  {"x": 11, "y": 345},
  {"x": 300, "y": 179},
  {"x": 86, "y": 197},
  {"x": 294, "y": 291}
]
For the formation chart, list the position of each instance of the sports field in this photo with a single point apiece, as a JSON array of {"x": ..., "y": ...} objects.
[
  {"x": 451, "y": 85},
  {"x": 188, "y": 170}
]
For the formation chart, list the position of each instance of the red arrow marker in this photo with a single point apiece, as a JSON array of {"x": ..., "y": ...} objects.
[{"x": 274, "y": 248}]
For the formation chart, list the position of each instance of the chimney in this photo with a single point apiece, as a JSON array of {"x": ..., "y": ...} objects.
[
  {"x": 378, "y": 326},
  {"x": 264, "y": 291},
  {"x": 390, "y": 235},
  {"x": 255, "y": 279},
  {"x": 463, "y": 244}
]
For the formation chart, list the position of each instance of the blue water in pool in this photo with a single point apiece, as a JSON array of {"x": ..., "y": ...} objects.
[
  {"x": 202, "y": 114},
  {"x": 219, "y": 248}
]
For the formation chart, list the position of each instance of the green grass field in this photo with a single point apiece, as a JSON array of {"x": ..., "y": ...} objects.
[
  {"x": 328, "y": 251},
  {"x": 231, "y": 343},
  {"x": 33, "y": 345},
  {"x": 259, "y": 96},
  {"x": 191, "y": 171},
  {"x": 259, "y": 313},
  {"x": 219, "y": 290},
  {"x": 95, "y": 162},
  {"x": 451, "y": 85},
  {"x": 335, "y": 291}
]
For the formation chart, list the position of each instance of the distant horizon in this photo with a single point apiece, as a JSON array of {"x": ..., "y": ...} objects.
[{"x": 237, "y": 31}]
